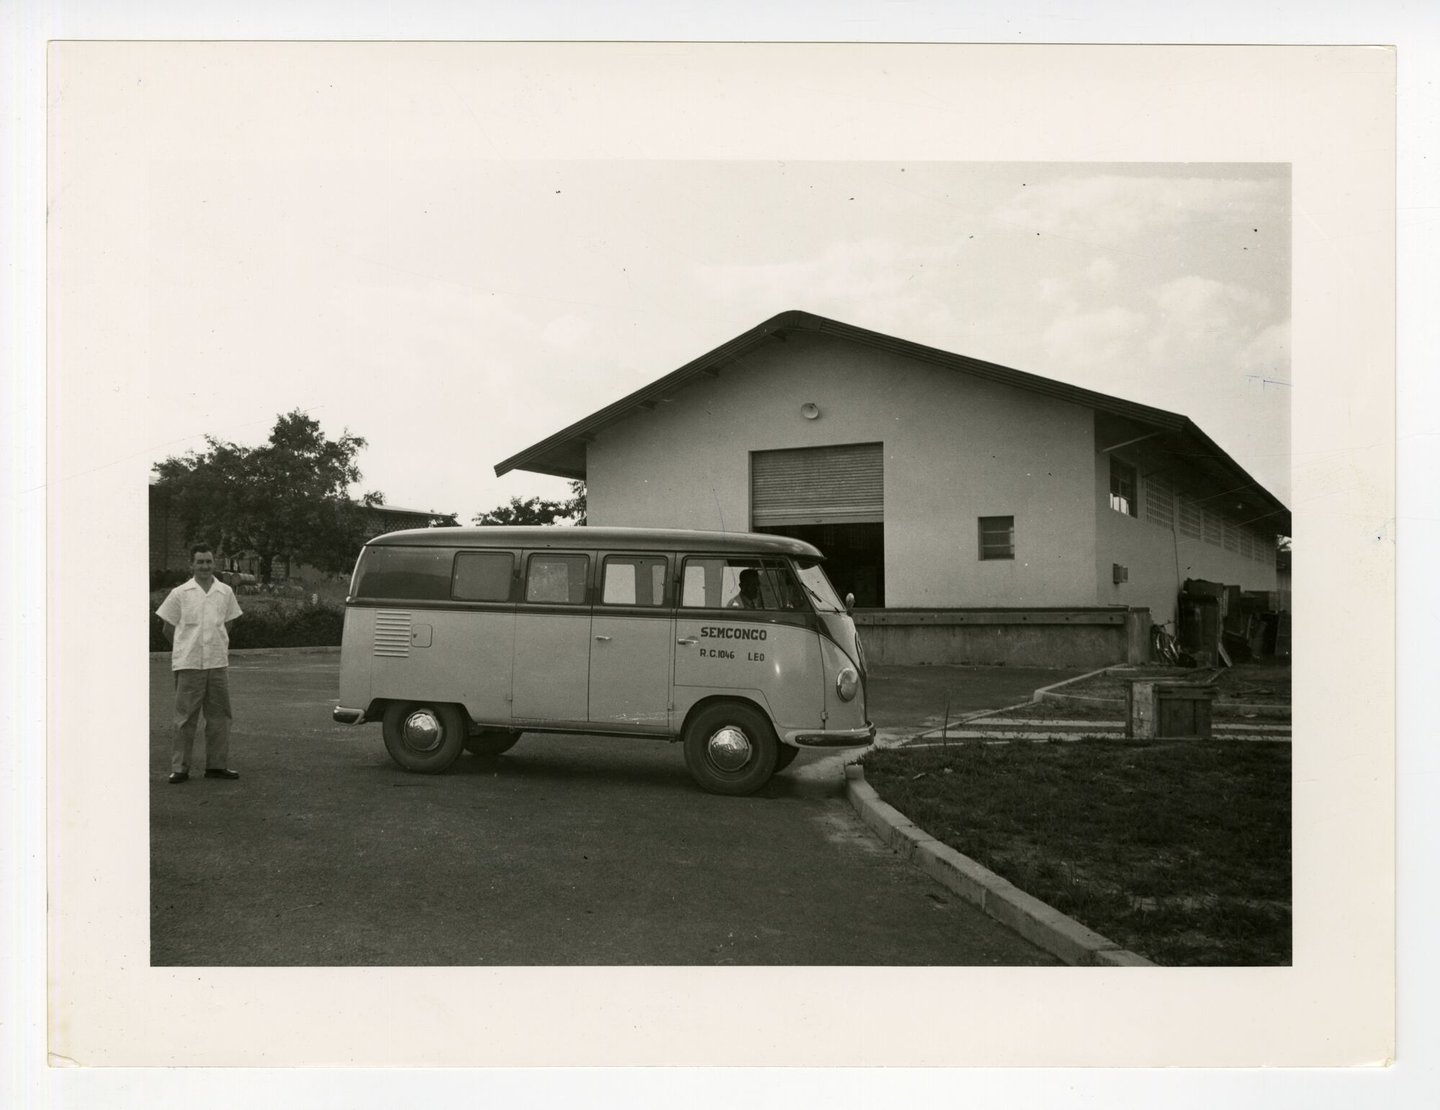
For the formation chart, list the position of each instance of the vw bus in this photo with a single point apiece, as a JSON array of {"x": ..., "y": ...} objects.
[{"x": 733, "y": 644}]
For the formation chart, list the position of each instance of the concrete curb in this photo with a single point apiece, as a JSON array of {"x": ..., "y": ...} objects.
[
  {"x": 1040, "y": 924},
  {"x": 1039, "y": 695},
  {"x": 954, "y": 725},
  {"x": 1231, "y": 709}
]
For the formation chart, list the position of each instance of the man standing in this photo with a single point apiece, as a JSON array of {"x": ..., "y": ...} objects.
[{"x": 197, "y": 617}]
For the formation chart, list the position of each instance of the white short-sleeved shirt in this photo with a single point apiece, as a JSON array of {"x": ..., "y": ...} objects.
[{"x": 201, "y": 642}]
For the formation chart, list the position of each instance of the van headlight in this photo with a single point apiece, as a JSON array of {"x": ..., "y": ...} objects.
[{"x": 847, "y": 684}]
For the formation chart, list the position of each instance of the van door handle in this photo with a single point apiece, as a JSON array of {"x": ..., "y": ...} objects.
[
  {"x": 686, "y": 640},
  {"x": 602, "y": 637}
]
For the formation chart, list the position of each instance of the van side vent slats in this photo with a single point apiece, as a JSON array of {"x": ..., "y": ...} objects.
[{"x": 392, "y": 633}]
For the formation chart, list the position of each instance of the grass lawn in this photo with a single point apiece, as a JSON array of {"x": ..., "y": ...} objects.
[{"x": 1176, "y": 850}]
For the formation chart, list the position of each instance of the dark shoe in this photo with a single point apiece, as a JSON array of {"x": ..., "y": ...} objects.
[
  {"x": 179, "y": 776},
  {"x": 221, "y": 773}
]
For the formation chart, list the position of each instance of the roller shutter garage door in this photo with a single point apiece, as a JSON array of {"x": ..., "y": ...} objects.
[{"x": 818, "y": 485}]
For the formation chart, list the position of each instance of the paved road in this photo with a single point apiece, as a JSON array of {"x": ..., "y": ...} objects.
[{"x": 567, "y": 850}]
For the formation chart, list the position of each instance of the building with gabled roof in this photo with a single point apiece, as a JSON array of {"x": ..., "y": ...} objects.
[{"x": 977, "y": 513}]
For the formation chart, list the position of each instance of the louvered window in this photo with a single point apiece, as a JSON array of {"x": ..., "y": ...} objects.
[
  {"x": 1159, "y": 502},
  {"x": 1192, "y": 518},
  {"x": 997, "y": 537}
]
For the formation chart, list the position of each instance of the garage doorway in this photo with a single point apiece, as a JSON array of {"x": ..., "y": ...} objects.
[{"x": 834, "y": 498}]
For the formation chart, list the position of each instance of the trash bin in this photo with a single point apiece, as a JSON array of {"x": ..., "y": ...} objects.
[
  {"x": 1199, "y": 627},
  {"x": 1161, "y": 710}
]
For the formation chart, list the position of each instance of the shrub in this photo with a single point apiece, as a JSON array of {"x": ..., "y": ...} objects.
[
  {"x": 157, "y": 637},
  {"x": 167, "y": 579},
  {"x": 279, "y": 625},
  {"x": 288, "y": 626}
]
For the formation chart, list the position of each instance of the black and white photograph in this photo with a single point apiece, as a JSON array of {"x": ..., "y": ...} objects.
[
  {"x": 1075, "y": 571},
  {"x": 693, "y": 553}
]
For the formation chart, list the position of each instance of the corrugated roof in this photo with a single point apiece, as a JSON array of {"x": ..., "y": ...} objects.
[
  {"x": 563, "y": 454},
  {"x": 410, "y": 512}
]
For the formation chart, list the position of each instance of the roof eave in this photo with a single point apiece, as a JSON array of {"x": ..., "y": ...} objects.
[
  {"x": 1279, "y": 513},
  {"x": 534, "y": 458}
]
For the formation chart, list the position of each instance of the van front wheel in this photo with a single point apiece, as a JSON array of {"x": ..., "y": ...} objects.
[
  {"x": 423, "y": 737},
  {"x": 730, "y": 748}
]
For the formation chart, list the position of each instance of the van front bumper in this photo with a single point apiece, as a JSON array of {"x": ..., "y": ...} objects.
[
  {"x": 348, "y": 716},
  {"x": 836, "y": 738}
]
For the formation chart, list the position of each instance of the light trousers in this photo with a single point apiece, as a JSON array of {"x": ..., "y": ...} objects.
[{"x": 197, "y": 693}]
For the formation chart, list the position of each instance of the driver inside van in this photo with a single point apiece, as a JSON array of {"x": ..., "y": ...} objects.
[{"x": 749, "y": 595}]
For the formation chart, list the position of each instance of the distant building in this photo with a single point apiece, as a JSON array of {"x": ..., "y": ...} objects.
[
  {"x": 392, "y": 518},
  {"x": 977, "y": 513},
  {"x": 170, "y": 548}
]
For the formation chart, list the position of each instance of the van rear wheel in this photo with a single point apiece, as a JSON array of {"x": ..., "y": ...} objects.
[
  {"x": 730, "y": 748},
  {"x": 424, "y": 737},
  {"x": 491, "y": 741}
]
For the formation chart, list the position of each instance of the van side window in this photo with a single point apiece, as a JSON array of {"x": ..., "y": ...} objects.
[
  {"x": 483, "y": 576},
  {"x": 405, "y": 573},
  {"x": 633, "y": 580},
  {"x": 738, "y": 583},
  {"x": 557, "y": 579}
]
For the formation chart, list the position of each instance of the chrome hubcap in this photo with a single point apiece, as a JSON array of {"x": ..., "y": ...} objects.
[
  {"x": 423, "y": 731},
  {"x": 728, "y": 749}
]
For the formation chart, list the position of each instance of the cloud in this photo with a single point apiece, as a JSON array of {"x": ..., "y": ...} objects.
[
  {"x": 1201, "y": 318},
  {"x": 1196, "y": 296},
  {"x": 1189, "y": 327},
  {"x": 1093, "y": 338},
  {"x": 1267, "y": 354},
  {"x": 1112, "y": 208},
  {"x": 1102, "y": 271}
]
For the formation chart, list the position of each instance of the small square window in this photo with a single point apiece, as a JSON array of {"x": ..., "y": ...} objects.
[
  {"x": 997, "y": 537},
  {"x": 1122, "y": 487}
]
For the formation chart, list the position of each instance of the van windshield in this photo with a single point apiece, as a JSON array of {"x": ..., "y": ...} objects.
[{"x": 812, "y": 577}]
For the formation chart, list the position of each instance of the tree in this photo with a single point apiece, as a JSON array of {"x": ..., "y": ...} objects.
[
  {"x": 288, "y": 497},
  {"x": 578, "y": 507},
  {"x": 538, "y": 510}
]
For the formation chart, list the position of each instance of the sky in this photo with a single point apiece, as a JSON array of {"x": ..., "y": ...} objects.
[{"x": 455, "y": 310}]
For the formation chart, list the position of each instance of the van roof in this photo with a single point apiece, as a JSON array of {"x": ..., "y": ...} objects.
[{"x": 615, "y": 539}]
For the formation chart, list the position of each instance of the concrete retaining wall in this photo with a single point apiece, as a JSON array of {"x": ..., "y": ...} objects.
[{"x": 1014, "y": 637}]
